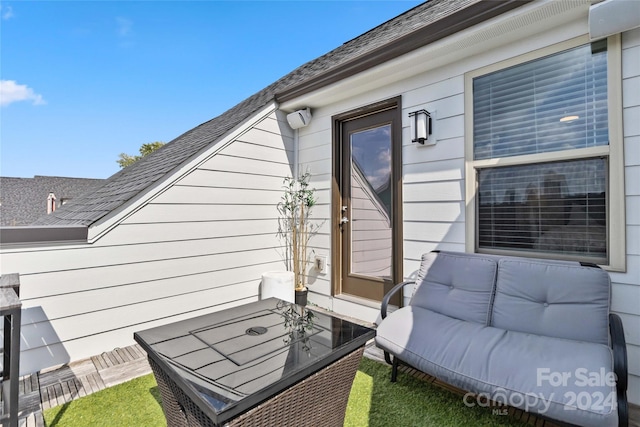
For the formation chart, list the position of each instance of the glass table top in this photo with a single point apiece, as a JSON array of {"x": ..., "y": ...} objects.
[{"x": 234, "y": 358}]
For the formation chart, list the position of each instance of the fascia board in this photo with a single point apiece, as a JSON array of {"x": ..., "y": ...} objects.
[{"x": 526, "y": 21}]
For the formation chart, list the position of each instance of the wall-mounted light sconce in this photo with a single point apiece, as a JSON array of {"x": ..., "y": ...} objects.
[{"x": 421, "y": 127}]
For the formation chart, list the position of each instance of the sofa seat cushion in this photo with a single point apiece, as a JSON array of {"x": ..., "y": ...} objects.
[
  {"x": 549, "y": 376},
  {"x": 425, "y": 339}
]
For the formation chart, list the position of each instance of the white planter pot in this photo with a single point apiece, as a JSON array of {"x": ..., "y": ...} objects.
[{"x": 278, "y": 284}]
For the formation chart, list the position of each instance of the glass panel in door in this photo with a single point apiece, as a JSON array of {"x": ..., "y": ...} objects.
[{"x": 371, "y": 203}]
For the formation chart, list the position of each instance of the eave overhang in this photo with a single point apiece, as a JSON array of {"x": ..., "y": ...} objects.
[{"x": 442, "y": 28}]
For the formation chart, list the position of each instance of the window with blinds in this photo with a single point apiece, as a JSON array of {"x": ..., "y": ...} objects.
[
  {"x": 549, "y": 207},
  {"x": 554, "y": 104}
]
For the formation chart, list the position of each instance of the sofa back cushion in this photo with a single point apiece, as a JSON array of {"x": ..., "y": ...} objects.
[
  {"x": 458, "y": 285},
  {"x": 555, "y": 299}
]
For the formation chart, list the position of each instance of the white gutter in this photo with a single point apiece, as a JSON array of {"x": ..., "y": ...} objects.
[{"x": 43, "y": 234}]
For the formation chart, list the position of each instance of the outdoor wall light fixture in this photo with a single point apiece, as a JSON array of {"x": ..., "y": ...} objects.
[{"x": 421, "y": 127}]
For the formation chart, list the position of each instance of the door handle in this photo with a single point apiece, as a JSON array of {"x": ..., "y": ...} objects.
[{"x": 344, "y": 218}]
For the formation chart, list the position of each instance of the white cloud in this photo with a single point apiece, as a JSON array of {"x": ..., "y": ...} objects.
[
  {"x": 11, "y": 92},
  {"x": 385, "y": 156},
  {"x": 7, "y": 12},
  {"x": 124, "y": 26}
]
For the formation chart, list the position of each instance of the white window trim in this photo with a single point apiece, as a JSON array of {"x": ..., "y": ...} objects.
[{"x": 616, "y": 244}]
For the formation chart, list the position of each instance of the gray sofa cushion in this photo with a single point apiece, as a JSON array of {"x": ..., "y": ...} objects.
[
  {"x": 427, "y": 341},
  {"x": 573, "y": 381},
  {"x": 562, "y": 300},
  {"x": 504, "y": 365},
  {"x": 456, "y": 285}
]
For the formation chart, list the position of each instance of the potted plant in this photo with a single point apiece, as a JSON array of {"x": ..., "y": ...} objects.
[{"x": 295, "y": 228}]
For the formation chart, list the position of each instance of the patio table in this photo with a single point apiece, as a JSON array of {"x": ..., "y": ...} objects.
[{"x": 265, "y": 363}]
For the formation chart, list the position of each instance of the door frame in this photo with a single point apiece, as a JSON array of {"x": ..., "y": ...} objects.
[{"x": 336, "y": 196}]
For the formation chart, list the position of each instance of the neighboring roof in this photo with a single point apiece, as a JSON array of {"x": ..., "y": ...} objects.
[
  {"x": 24, "y": 200},
  {"x": 345, "y": 60}
]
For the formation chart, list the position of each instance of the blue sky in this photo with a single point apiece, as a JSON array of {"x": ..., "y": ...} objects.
[{"x": 83, "y": 81}]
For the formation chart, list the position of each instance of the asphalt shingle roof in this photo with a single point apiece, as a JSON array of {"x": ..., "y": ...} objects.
[
  {"x": 24, "y": 200},
  {"x": 131, "y": 181}
]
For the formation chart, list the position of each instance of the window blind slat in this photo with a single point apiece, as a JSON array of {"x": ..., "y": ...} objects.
[
  {"x": 551, "y": 207},
  {"x": 518, "y": 110}
]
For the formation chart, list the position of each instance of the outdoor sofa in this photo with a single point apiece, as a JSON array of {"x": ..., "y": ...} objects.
[{"x": 533, "y": 334}]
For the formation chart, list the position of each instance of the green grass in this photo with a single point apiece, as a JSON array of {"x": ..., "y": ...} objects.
[
  {"x": 374, "y": 402},
  {"x": 377, "y": 402},
  {"x": 134, "y": 403}
]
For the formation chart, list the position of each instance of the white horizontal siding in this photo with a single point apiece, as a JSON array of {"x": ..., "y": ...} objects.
[
  {"x": 56, "y": 352},
  {"x": 631, "y": 124},
  {"x": 446, "y": 232},
  {"x": 84, "y": 324},
  {"x": 158, "y": 213},
  {"x": 630, "y": 277},
  {"x": 225, "y": 163},
  {"x": 38, "y": 285},
  {"x": 249, "y": 150},
  {"x": 198, "y": 195},
  {"x": 633, "y": 206},
  {"x": 626, "y": 286},
  {"x": 127, "y": 234},
  {"x": 433, "y": 176},
  {"x": 434, "y": 211},
  {"x": 445, "y": 170},
  {"x": 414, "y": 249},
  {"x": 199, "y": 245},
  {"x": 444, "y": 150},
  {"x": 632, "y": 177},
  {"x": 147, "y": 263},
  {"x": 231, "y": 179},
  {"x": 105, "y": 256},
  {"x": 434, "y": 191},
  {"x": 625, "y": 299}
]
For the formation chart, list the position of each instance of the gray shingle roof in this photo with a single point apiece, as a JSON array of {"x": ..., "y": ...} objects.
[
  {"x": 131, "y": 181},
  {"x": 24, "y": 200}
]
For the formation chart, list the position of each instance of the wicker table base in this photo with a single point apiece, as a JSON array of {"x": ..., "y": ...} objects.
[{"x": 318, "y": 400}]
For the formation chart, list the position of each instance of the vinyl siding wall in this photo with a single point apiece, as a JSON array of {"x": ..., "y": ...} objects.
[
  {"x": 626, "y": 287},
  {"x": 200, "y": 245},
  {"x": 433, "y": 176}
]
